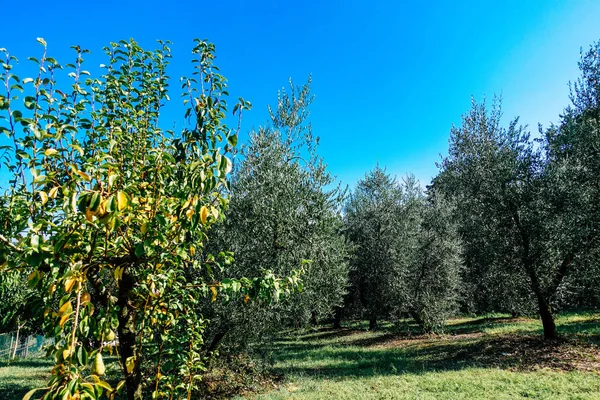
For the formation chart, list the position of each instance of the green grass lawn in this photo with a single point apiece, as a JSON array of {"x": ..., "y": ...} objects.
[
  {"x": 21, "y": 375},
  {"x": 477, "y": 358},
  {"x": 490, "y": 358}
]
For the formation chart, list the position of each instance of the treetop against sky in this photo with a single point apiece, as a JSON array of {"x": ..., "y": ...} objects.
[{"x": 390, "y": 78}]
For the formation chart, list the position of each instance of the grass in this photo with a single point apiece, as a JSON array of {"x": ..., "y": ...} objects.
[
  {"x": 21, "y": 375},
  {"x": 477, "y": 358},
  {"x": 496, "y": 357}
]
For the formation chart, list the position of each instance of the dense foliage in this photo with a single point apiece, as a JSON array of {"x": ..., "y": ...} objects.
[
  {"x": 111, "y": 213},
  {"x": 407, "y": 256},
  {"x": 284, "y": 212},
  {"x": 528, "y": 211}
]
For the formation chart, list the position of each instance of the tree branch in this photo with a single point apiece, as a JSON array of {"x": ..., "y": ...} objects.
[{"x": 10, "y": 244}]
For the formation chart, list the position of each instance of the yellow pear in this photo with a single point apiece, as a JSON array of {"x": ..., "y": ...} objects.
[
  {"x": 110, "y": 335},
  {"x": 98, "y": 367}
]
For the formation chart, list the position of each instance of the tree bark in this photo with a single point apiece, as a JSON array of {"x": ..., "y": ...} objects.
[
  {"x": 127, "y": 338},
  {"x": 337, "y": 318},
  {"x": 14, "y": 354},
  {"x": 550, "y": 332},
  {"x": 543, "y": 304},
  {"x": 529, "y": 265},
  {"x": 373, "y": 323}
]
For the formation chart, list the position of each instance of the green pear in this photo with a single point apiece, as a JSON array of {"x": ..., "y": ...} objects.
[{"x": 98, "y": 367}]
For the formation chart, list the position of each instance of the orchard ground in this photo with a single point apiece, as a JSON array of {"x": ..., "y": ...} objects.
[{"x": 493, "y": 357}]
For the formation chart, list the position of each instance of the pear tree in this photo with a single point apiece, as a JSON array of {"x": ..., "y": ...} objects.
[{"x": 110, "y": 212}]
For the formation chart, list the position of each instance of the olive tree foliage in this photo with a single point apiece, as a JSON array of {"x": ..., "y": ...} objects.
[
  {"x": 110, "y": 212},
  {"x": 572, "y": 150},
  {"x": 433, "y": 259},
  {"x": 371, "y": 217},
  {"x": 488, "y": 168},
  {"x": 407, "y": 257},
  {"x": 284, "y": 212},
  {"x": 529, "y": 221}
]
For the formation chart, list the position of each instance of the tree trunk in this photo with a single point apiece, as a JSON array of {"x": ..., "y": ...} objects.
[
  {"x": 543, "y": 305},
  {"x": 214, "y": 344},
  {"x": 373, "y": 323},
  {"x": 313, "y": 318},
  {"x": 14, "y": 354},
  {"x": 550, "y": 332},
  {"x": 529, "y": 265},
  {"x": 12, "y": 342},
  {"x": 415, "y": 315},
  {"x": 127, "y": 338},
  {"x": 337, "y": 318}
]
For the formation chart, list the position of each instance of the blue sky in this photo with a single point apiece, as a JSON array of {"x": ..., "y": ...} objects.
[{"x": 390, "y": 77}]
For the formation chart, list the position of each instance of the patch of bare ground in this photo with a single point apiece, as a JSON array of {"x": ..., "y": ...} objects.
[
  {"x": 509, "y": 351},
  {"x": 533, "y": 352}
]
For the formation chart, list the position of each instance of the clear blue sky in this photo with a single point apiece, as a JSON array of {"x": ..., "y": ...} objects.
[{"x": 390, "y": 77}]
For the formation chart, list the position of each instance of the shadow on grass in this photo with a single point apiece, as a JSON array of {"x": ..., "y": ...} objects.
[
  {"x": 478, "y": 324},
  {"x": 26, "y": 363},
  {"x": 332, "y": 334},
  {"x": 506, "y": 352},
  {"x": 12, "y": 391},
  {"x": 380, "y": 340},
  {"x": 387, "y": 353},
  {"x": 19, "y": 376}
]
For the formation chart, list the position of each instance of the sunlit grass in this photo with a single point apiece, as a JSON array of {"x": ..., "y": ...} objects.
[
  {"x": 476, "y": 358},
  {"x": 21, "y": 375},
  {"x": 493, "y": 357}
]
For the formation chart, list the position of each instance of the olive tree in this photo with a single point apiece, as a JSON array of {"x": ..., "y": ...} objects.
[
  {"x": 433, "y": 259},
  {"x": 535, "y": 215},
  {"x": 572, "y": 190},
  {"x": 284, "y": 212},
  {"x": 407, "y": 253},
  {"x": 371, "y": 217},
  {"x": 111, "y": 213}
]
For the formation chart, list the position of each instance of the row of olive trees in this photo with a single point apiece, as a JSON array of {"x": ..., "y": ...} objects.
[
  {"x": 109, "y": 217},
  {"x": 510, "y": 224},
  {"x": 284, "y": 211},
  {"x": 389, "y": 245}
]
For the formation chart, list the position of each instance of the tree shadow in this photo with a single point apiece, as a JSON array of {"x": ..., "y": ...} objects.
[
  {"x": 379, "y": 340},
  {"x": 21, "y": 375},
  {"x": 391, "y": 355},
  {"x": 13, "y": 391},
  {"x": 26, "y": 363},
  {"x": 332, "y": 334},
  {"x": 478, "y": 325},
  {"x": 485, "y": 320}
]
